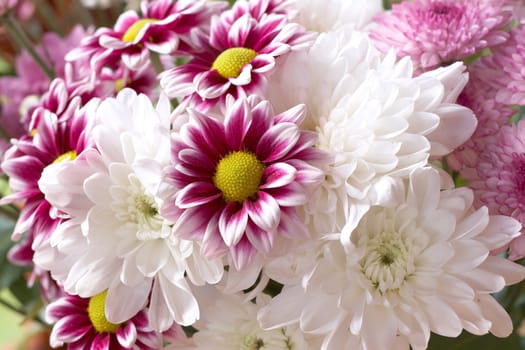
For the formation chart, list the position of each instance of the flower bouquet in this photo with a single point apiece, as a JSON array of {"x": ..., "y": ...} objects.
[{"x": 265, "y": 174}]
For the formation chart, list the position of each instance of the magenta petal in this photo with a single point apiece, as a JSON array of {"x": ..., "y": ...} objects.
[
  {"x": 293, "y": 115},
  {"x": 211, "y": 85},
  {"x": 243, "y": 253},
  {"x": 291, "y": 195},
  {"x": 232, "y": 223},
  {"x": 262, "y": 120},
  {"x": 277, "y": 142},
  {"x": 278, "y": 175},
  {"x": 291, "y": 226},
  {"x": 71, "y": 328},
  {"x": 196, "y": 193},
  {"x": 192, "y": 223},
  {"x": 237, "y": 123},
  {"x": 212, "y": 243},
  {"x": 127, "y": 335},
  {"x": 101, "y": 342},
  {"x": 262, "y": 240},
  {"x": 264, "y": 211},
  {"x": 240, "y": 30}
]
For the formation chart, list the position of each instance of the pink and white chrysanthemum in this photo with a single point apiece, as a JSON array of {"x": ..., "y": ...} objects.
[
  {"x": 238, "y": 181},
  {"x": 61, "y": 130},
  {"x": 498, "y": 178},
  {"x": 419, "y": 266},
  {"x": 234, "y": 58},
  {"x": 114, "y": 238},
  {"x": 158, "y": 28},
  {"x": 80, "y": 323},
  {"x": 439, "y": 32}
]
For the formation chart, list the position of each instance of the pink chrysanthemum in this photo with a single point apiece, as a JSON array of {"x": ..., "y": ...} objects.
[
  {"x": 498, "y": 180},
  {"x": 438, "y": 32},
  {"x": 480, "y": 95},
  {"x": 159, "y": 28},
  {"x": 239, "y": 181},
  {"x": 235, "y": 57},
  {"x": 81, "y": 324},
  {"x": 510, "y": 59}
]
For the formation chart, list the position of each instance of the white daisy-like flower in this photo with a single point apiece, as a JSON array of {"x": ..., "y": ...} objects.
[
  {"x": 230, "y": 322},
  {"x": 325, "y": 16},
  {"x": 421, "y": 266},
  {"x": 114, "y": 238},
  {"x": 371, "y": 115}
]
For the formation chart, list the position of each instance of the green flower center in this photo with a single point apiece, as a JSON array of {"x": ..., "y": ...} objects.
[
  {"x": 97, "y": 314},
  {"x": 230, "y": 62},
  {"x": 238, "y": 176},
  {"x": 130, "y": 34},
  {"x": 68, "y": 156}
]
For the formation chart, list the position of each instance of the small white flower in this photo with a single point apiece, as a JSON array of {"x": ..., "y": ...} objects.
[{"x": 421, "y": 266}]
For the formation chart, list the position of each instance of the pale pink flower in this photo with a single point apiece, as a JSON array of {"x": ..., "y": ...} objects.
[
  {"x": 498, "y": 179},
  {"x": 438, "y": 32},
  {"x": 238, "y": 181}
]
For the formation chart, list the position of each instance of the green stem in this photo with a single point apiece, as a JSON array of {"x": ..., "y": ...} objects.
[{"x": 23, "y": 42}]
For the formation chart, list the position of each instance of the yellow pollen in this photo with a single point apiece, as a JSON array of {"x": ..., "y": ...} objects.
[
  {"x": 132, "y": 32},
  {"x": 238, "y": 176},
  {"x": 230, "y": 62},
  {"x": 97, "y": 314},
  {"x": 71, "y": 155}
]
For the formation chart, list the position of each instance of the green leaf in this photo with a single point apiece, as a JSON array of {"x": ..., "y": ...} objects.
[{"x": 467, "y": 341}]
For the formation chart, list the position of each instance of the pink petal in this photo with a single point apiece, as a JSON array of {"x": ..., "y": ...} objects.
[
  {"x": 211, "y": 84},
  {"x": 289, "y": 196},
  {"x": 262, "y": 240},
  {"x": 192, "y": 223},
  {"x": 277, "y": 142},
  {"x": 240, "y": 30},
  {"x": 237, "y": 123},
  {"x": 290, "y": 225},
  {"x": 101, "y": 342},
  {"x": 264, "y": 211},
  {"x": 232, "y": 223},
  {"x": 127, "y": 335},
  {"x": 195, "y": 194},
  {"x": 262, "y": 63},
  {"x": 71, "y": 328},
  {"x": 294, "y": 115},
  {"x": 242, "y": 254},
  {"x": 262, "y": 120},
  {"x": 212, "y": 243},
  {"x": 278, "y": 175}
]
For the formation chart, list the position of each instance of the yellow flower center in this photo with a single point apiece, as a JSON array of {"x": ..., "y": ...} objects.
[
  {"x": 97, "y": 314},
  {"x": 238, "y": 176},
  {"x": 71, "y": 155},
  {"x": 130, "y": 34},
  {"x": 230, "y": 62}
]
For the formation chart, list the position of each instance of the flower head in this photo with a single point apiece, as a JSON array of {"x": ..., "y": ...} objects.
[
  {"x": 498, "y": 177},
  {"x": 234, "y": 58},
  {"x": 114, "y": 238},
  {"x": 419, "y": 266},
  {"x": 81, "y": 323},
  {"x": 238, "y": 181},
  {"x": 438, "y": 32}
]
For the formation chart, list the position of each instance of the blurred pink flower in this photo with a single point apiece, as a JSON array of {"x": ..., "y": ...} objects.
[
  {"x": 498, "y": 179},
  {"x": 438, "y": 32}
]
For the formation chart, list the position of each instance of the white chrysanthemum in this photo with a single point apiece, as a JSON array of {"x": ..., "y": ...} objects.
[
  {"x": 114, "y": 237},
  {"x": 420, "y": 266},
  {"x": 328, "y": 15},
  {"x": 230, "y": 322},
  {"x": 371, "y": 115}
]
